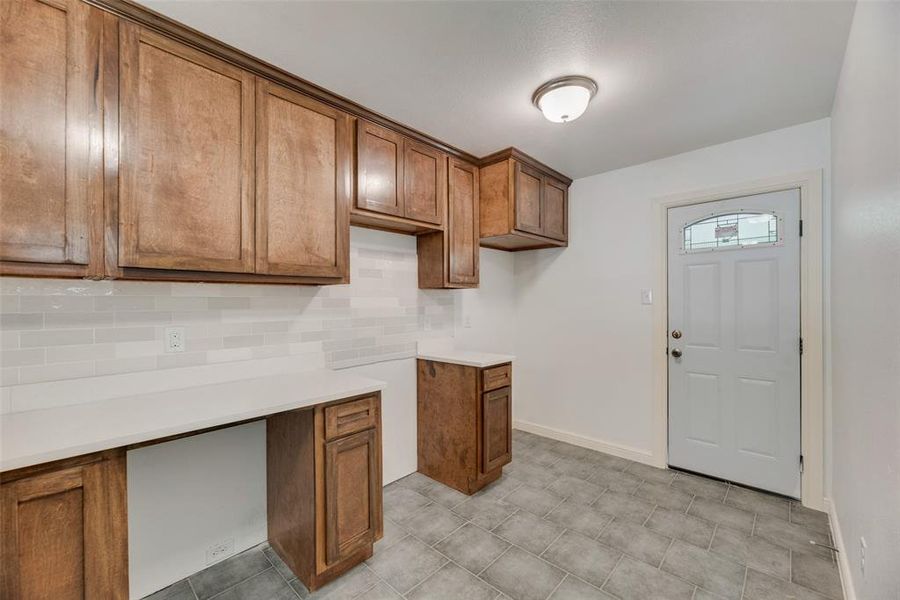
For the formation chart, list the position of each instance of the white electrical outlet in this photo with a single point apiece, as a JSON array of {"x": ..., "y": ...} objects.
[
  {"x": 862, "y": 556},
  {"x": 467, "y": 321},
  {"x": 174, "y": 339},
  {"x": 217, "y": 552},
  {"x": 646, "y": 296}
]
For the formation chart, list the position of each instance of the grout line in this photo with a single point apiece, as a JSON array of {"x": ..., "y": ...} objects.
[
  {"x": 666, "y": 553},
  {"x": 644, "y": 524},
  {"x": 744, "y": 586},
  {"x": 613, "y": 570},
  {"x": 713, "y": 536},
  {"x": 191, "y": 586},
  {"x": 499, "y": 556},
  {"x": 218, "y": 594}
]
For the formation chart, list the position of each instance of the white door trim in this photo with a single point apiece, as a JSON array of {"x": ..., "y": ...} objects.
[{"x": 812, "y": 409}]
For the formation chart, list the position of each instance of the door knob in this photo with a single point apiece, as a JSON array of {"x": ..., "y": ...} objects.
[
  {"x": 676, "y": 353},
  {"x": 676, "y": 333}
]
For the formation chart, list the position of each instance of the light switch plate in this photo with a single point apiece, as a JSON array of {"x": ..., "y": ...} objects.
[{"x": 646, "y": 296}]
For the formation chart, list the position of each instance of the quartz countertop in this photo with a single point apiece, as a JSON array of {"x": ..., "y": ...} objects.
[
  {"x": 466, "y": 357},
  {"x": 39, "y": 436}
]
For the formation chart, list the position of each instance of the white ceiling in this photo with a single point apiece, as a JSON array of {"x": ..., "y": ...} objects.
[{"x": 673, "y": 76}]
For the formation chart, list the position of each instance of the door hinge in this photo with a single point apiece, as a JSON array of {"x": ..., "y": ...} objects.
[
  {"x": 801, "y": 345},
  {"x": 801, "y": 463},
  {"x": 801, "y": 227}
]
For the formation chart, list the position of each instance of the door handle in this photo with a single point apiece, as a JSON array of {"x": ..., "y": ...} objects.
[{"x": 676, "y": 353}]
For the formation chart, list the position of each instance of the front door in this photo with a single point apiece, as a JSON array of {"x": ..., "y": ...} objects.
[{"x": 734, "y": 339}]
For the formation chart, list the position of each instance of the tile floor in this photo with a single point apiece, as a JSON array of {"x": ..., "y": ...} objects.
[{"x": 564, "y": 523}]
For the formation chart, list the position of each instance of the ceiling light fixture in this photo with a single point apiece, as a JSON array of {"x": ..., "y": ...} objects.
[{"x": 564, "y": 99}]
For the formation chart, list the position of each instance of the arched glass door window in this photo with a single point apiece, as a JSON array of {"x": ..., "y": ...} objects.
[{"x": 732, "y": 230}]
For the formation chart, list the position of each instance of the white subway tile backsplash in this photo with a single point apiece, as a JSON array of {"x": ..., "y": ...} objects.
[
  {"x": 21, "y": 321},
  {"x": 21, "y": 358},
  {"x": 78, "y": 320},
  {"x": 125, "y": 334},
  {"x": 55, "y": 372},
  {"x": 56, "y": 337},
  {"x": 58, "y": 329}
]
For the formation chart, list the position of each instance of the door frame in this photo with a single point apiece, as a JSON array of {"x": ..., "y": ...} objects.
[{"x": 812, "y": 404}]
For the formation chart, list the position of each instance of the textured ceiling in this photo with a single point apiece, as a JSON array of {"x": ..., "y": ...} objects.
[{"x": 674, "y": 76}]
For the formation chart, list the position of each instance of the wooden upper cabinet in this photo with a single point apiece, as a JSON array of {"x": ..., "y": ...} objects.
[
  {"x": 51, "y": 178},
  {"x": 401, "y": 183},
  {"x": 527, "y": 205},
  {"x": 555, "y": 209},
  {"x": 462, "y": 226},
  {"x": 379, "y": 167},
  {"x": 449, "y": 258},
  {"x": 303, "y": 186},
  {"x": 186, "y": 157},
  {"x": 424, "y": 182},
  {"x": 524, "y": 204}
]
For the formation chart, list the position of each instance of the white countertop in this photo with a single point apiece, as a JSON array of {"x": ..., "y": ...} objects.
[
  {"x": 38, "y": 436},
  {"x": 465, "y": 357}
]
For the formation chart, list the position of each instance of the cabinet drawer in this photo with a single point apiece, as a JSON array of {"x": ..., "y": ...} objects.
[
  {"x": 496, "y": 377},
  {"x": 349, "y": 417}
]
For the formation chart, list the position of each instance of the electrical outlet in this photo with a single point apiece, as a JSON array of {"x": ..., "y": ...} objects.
[
  {"x": 467, "y": 321},
  {"x": 646, "y": 296},
  {"x": 862, "y": 555},
  {"x": 174, "y": 339},
  {"x": 217, "y": 552}
]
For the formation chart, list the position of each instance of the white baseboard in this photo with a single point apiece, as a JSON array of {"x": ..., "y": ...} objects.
[
  {"x": 635, "y": 454},
  {"x": 843, "y": 561}
]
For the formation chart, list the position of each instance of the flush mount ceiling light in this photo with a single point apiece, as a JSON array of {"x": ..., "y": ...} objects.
[{"x": 564, "y": 99}]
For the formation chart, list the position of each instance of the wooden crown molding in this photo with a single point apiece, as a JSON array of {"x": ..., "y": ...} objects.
[{"x": 516, "y": 154}]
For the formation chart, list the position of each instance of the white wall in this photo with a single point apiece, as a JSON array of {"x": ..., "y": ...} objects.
[
  {"x": 866, "y": 301},
  {"x": 485, "y": 317},
  {"x": 583, "y": 338}
]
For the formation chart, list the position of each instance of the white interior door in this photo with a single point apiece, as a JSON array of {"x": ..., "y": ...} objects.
[{"x": 734, "y": 339}]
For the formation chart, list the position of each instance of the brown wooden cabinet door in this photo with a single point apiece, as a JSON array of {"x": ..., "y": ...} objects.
[
  {"x": 462, "y": 226},
  {"x": 352, "y": 488},
  {"x": 64, "y": 534},
  {"x": 51, "y": 133},
  {"x": 425, "y": 182},
  {"x": 186, "y": 157},
  {"x": 379, "y": 166},
  {"x": 528, "y": 187},
  {"x": 303, "y": 186},
  {"x": 555, "y": 210},
  {"x": 496, "y": 433}
]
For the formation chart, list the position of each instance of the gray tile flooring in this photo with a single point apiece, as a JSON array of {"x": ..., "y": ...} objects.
[{"x": 564, "y": 523}]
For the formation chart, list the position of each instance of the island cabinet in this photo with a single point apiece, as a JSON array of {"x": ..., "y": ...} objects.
[
  {"x": 324, "y": 487},
  {"x": 401, "y": 183},
  {"x": 450, "y": 258},
  {"x": 51, "y": 123},
  {"x": 464, "y": 423},
  {"x": 524, "y": 204},
  {"x": 63, "y": 530}
]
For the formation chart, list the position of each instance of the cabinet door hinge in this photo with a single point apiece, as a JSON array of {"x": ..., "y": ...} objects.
[
  {"x": 801, "y": 463},
  {"x": 801, "y": 345},
  {"x": 801, "y": 227}
]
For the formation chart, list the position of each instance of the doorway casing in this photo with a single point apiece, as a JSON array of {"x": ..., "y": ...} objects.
[{"x": 812, "y": 403}]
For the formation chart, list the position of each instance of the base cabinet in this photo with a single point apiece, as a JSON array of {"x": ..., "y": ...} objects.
[
  {"x": 324, "y": 487},
  {"x": 63, "y": 531},
  {"x": 464, "y": 423}
]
